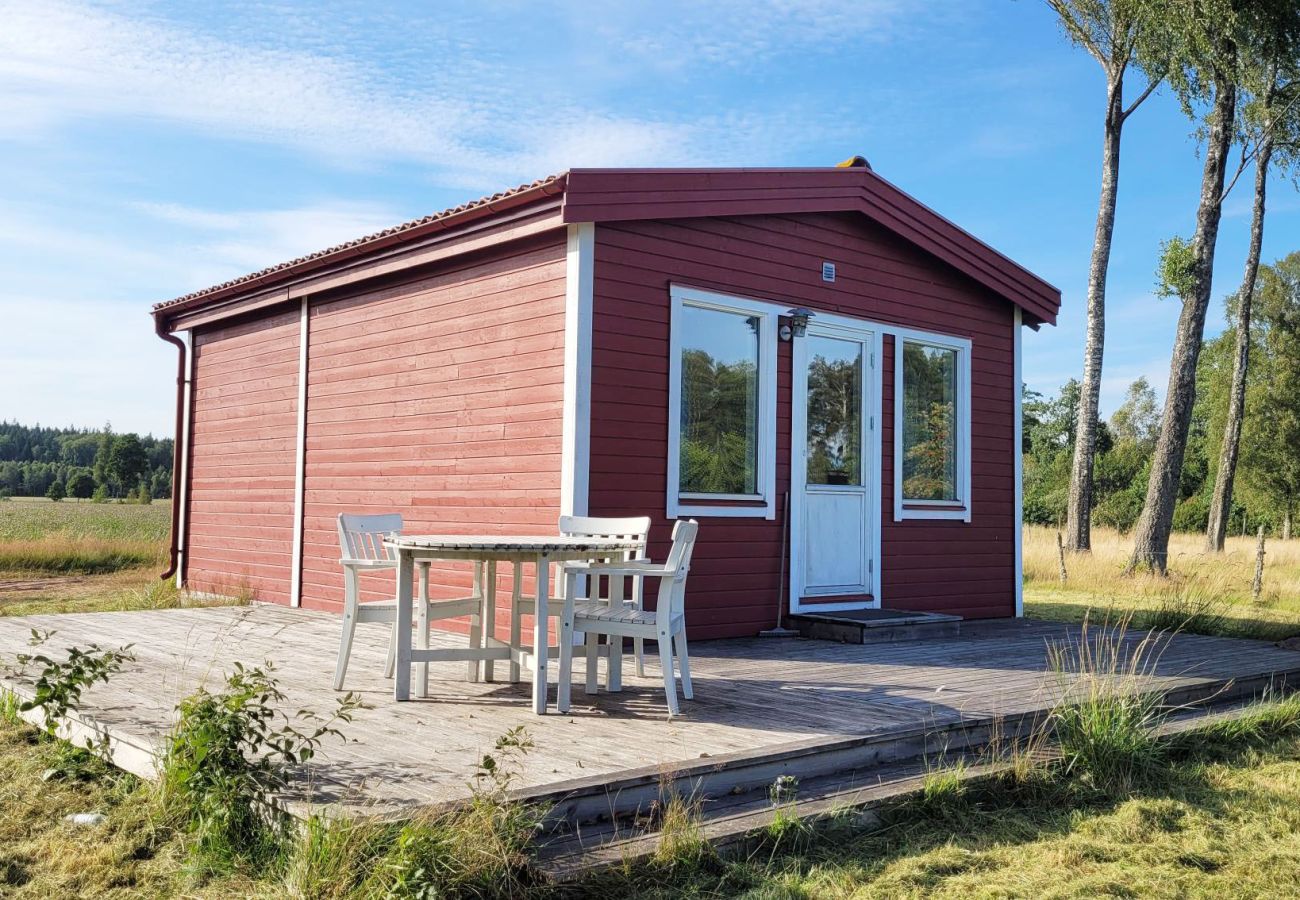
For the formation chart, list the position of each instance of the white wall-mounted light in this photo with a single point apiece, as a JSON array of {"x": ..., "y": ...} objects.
[{"x": 795, "y": 323}]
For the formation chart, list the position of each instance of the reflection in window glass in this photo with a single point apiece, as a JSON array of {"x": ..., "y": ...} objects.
[
  {"x": 834, "y": 411},
  {"x": 719, "y": 390},
  {"x": 929, "y": 422}
]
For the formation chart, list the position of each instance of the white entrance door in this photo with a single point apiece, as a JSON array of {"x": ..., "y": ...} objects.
[{"x": 835, "y": 477}]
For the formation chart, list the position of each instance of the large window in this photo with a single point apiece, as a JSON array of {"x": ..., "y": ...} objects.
[
  {"x": 722, "y": 405},
  {"x": 719, "y": 416},
  {"x": 932, "y": 438}
]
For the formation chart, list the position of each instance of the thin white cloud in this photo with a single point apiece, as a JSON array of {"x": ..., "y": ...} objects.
[{"x": 471, "y": 116}]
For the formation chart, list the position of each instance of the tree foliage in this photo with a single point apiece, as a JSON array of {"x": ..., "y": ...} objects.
[{"x": 32, "y": 458}]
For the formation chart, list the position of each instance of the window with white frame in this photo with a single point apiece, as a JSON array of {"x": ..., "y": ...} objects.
[
  {"x": 722, "y": 430},
  {"x": 932, "y": 427}
]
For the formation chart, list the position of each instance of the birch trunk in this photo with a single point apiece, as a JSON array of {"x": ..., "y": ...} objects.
[
  {"x": 1078, "y": 527},
  {"x": 1151, "y": 538},
  {"x": 1221, "y": 502}
]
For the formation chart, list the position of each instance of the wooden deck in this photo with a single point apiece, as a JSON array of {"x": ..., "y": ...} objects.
[{"x": 781, "y": 702}]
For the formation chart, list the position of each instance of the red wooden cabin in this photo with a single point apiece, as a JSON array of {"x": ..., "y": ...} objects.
[{"x": 620, "y": 342}]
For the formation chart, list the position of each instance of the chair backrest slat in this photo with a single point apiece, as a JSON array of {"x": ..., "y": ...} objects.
[
  {"x": 362, "y": 537},
  {"x": 672, "y": 590},
  {"x": 630, "y": 528}
]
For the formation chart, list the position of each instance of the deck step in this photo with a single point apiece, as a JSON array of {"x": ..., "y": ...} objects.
[
  {"x": 872, "y": 626},
  {"x": 734, "y": 822},
  {"x": 578, "y": 804}
]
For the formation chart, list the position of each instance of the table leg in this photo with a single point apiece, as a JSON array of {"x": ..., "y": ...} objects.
[
  {"x": 516, "y": 600},
  {"x": 422, "y": 626},
  {"x": 490, "y": 615},
  {"x": 541, "y": 635},
  {"x": 476, "y": 622},
  {"x": 402, "y": 675}
]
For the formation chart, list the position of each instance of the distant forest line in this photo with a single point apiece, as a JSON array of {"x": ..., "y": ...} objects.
[{"x": 36, "y": 461}]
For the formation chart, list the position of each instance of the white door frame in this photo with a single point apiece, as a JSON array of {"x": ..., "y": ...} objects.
[{"x": 828, "y": 325}]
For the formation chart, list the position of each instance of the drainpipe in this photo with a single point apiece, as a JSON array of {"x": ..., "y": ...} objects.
[{"x": 178, "y": 444}]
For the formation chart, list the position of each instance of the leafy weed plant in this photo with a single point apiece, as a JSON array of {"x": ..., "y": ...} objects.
[{"x": 226, "y": 761}]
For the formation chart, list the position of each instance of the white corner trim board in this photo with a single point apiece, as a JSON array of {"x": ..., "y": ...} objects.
[
  {"x": 183, "y": 476},
  {"x": 300, "y": 461},
  {"x": 579, "y": 289},
  {"x": 960, "y": 509},
  {"x": 1017, "y": 385},
  {"x": 763, "y": 503}
]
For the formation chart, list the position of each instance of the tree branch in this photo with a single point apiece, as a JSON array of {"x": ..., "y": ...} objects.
[{"x": 1152, "y": 84}]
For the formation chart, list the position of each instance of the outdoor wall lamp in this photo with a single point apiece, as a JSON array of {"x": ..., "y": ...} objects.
[{"x": 795, "y": 323}]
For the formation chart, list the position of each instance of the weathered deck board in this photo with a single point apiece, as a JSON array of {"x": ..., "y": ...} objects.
[{"x": 752, "y": 696}]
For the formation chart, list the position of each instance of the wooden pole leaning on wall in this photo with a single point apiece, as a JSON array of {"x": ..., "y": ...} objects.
[
  {"x": 1258, "y": 586},
  {"x": 1060, "y": 555}
]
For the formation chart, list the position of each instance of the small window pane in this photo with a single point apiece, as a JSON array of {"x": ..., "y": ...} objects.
[
  {"x": 719, "y": 427},
  {"x": 834, "y": 411},
  {"x": 929, "y": 423}
]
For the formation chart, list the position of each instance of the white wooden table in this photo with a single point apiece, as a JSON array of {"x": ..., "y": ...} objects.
[{"x": 518, "y": 550}]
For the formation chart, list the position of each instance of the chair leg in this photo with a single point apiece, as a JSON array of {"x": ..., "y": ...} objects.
[
  {"x": 614, "y": 665},
  {"x": 345, "y": 648},
  {"x": 638, "y": 650},
  {"x": 390, "y": 664},
  {"x": 593, "y": 645},
  {"x": 564, "y": 690},
  {"x": 670, "y": 680},
  {"x": 684, "y": 662},
  {"x": 516, "y": 618}
]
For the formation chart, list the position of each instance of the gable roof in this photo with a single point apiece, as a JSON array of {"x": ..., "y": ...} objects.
[{"x": 603, "y": 195}]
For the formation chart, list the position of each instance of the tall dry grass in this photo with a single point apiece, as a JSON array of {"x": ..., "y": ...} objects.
[
  {"x": 81, "y": 538},
  {"x": 1203, "y": 592}
]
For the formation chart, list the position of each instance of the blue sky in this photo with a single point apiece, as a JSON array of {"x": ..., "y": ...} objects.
[{"x": 149, "y": 149}]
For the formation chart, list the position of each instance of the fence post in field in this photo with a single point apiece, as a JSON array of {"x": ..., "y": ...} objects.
[
  {"x": 1060, "y": 554},
  {"x": 1258, "y": 586}
]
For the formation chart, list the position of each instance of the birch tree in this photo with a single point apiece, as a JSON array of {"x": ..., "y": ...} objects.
[
  {"x": 1212, "y": 38},
  {"x": 1120, "y": 35},
  {"x": 1272, "y": 125},
  {"x": 1208, "y": 54}
]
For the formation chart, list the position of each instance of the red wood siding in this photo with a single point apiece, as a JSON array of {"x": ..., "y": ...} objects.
[
  {"x": 245, "y": 422},
  {"x": 964, "y": 568},
  {"x": 440, "y": 399}
]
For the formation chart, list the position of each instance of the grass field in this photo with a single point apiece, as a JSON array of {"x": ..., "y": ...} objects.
[
  {"x": 71, "y": 537},
  {"x": 1221, "y": 820},
  {"x": 1203, "y": 593},
  {"x": 83, "y": 557}
]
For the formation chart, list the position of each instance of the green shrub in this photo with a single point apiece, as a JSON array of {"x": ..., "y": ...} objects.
[
  {"x": 227, "y": 759},
  {"x": 1120, "y": 510},
  {"x": 1192, "y": 514}
]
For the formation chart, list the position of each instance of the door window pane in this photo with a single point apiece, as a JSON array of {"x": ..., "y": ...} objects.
[
  {"x": 929, "y": 422},
  {"x": 834, "y": 411},
  {"x": 719, "y": 390}
]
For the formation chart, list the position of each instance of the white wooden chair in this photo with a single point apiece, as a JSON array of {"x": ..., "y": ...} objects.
[
  {"x": 635, "y": 528},
  {"x": 361, "y": 545},
  {"x": 665, "y": 624},
  {"x": 631, "y": 528}
]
